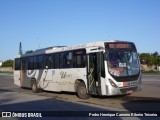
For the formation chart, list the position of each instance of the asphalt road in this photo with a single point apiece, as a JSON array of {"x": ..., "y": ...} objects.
[{"x": 13, "y": 98}]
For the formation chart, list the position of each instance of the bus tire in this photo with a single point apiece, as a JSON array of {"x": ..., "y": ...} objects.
[
  {"x": 82, "y": 91},
  {"x": 34, "y": 87}
]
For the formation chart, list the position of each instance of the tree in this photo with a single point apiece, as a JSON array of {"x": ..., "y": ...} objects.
[
  {"x": 155, "y": 54},
  {"x": 150, "y": 59},
  {"x": 20, "y": 49},
  {"x": 144, "y": 58},
  {"x": 28, "y": 51},
  {"x": 158, "y": 61},
  {"x": 7, "y": 63}
]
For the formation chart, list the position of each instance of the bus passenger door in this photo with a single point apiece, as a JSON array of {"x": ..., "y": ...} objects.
[{"x": 94, "y": 73}]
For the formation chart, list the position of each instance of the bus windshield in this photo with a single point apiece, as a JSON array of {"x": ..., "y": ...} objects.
[{"x": 122, "y": 61}]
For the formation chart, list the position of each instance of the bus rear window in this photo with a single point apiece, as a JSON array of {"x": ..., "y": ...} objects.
[{"x": 17, "y": 64}]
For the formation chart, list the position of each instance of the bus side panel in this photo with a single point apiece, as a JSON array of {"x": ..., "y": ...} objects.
[
  {"x": 28, "y": 75},
  {"x": 69, "y": 76},
  {"x": 62, "y": 79},
  {"x": 103, "y": 86},
  {"x": 37, "y": 75},
  {"x": 17, "y": 78},
  {"x": 51, "y": 80}
]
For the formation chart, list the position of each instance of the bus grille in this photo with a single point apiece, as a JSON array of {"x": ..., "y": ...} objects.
[{"x": 126, "y": 78}]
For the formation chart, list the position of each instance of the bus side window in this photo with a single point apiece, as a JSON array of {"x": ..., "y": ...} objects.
[
  {"x": 47, "y": 61},
  {"x": 79, "y": 58},
  {"x": 56, "y": 61},
  {"x": 78, "y": 61},
  {"x": 66, "y": 59},
  {"x": 35, "y": 62},
  {"x": 61, "y": 60},
  {"x": 70, "y": 59},
  {"x": 53, "y": 61},
  {"x": 31, "y": 63},
  {"x": 24, "y": 63},
  {"x": 40, "y": 64},
  {"x": 84, "y": 60}
]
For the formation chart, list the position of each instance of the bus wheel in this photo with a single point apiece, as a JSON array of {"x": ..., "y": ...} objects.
[
  {"x": 81, "y": 91},
  {"x": 34, "y": 87}
]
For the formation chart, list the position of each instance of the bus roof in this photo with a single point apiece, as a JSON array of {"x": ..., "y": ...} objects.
[{"x": 55, "y": 49}]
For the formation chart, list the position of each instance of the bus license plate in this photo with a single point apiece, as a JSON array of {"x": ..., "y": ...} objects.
[{"x": 132, "y": 83}]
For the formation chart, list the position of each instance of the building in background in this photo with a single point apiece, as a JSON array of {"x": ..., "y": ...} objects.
[{"x": 1, "y": 63}]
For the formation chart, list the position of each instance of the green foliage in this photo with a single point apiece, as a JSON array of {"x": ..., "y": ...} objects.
[
  {"x": 155, "y": 54},
  {"x": 8, "y": 63},
  {"x": 29, "y": 51},
  {"x": 158, "y": 61},
  {"x": 150, "y": 59},
  {"x": 144, "y": 57}
]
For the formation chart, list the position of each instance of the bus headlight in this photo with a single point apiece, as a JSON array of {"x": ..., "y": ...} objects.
[{"x": 112, "y": 83}]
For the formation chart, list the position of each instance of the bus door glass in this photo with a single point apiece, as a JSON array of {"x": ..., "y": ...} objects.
[{"x": 94, "y": 73}]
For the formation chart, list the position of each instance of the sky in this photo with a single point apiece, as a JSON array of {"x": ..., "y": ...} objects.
[{"x": 44, "y": 23}]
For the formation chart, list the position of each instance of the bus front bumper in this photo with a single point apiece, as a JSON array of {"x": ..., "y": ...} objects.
[{"x": 123, "y": 90}]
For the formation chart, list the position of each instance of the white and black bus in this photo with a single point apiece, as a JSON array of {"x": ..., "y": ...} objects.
[{"x": 97, "y": 68}]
